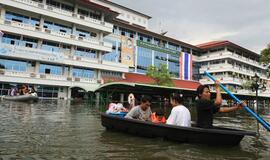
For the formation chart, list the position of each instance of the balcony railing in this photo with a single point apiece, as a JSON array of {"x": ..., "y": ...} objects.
[
  {"x": 20, "y": 74},
  {"x": 223, "y": 54},
  {"x": 22, "y": 52},
  {"x": 230, "y": 67},
  {"x": 64, "y": 12},
  {"x": 55, "y": 33}
]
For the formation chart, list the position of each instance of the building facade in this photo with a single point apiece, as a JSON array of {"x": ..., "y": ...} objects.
[
  {"x": 55, "y": 46},
  {"x": 232, "y": 64}
]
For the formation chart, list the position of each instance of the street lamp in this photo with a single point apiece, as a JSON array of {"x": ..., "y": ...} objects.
[{"x": 256, "y": 85}]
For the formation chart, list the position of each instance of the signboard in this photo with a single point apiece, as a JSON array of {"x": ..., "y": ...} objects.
[
  {"x": 156, "y": 47},
  {"x": 127, "y": 51}
]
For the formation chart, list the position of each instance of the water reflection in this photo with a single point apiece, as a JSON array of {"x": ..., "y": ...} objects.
[{"x": 72, "y": 130}]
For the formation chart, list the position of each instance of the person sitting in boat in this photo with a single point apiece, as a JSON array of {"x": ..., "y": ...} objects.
[
  {"x": 142, "y": 111},
  {"x": 116, "y": 107},
  {"x": 23, "y": 90},
  {"x": 180, "y": 115},
  {"x": 13, "y": 92},
  {"x": 158, "y": 117},
  {"x": 207, "y": 107}
]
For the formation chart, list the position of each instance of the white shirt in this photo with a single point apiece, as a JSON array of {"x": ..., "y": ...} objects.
[
  {"x": 115, "y": 108},
  {"x": 179, "y": 116}
]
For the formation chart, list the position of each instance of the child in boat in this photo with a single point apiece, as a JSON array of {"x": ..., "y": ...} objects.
[
  {"x": 158, "y": 117},
  {"x": 180, "y": 115},
  {"x": 116, "y": 107}
]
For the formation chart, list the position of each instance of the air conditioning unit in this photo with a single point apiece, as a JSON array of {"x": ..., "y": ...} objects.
[
  {"x": 47, "y": 30},
  {"x": 42, "y": 76},
  {"x": 82, "y": 17},
  {"x": 74, "y": 15},
  {"x": 69, "y": 78},
  {"x": 80, "y": 38},
  {"x": 73, "y": 36},
  {"x": 77, "y": 79},
  {"x": 32, "y": 75},
  {"x": 40, "y": 5},
  {"x": 2, "y": 71},
  {"x": 7, "y": 22},
  {"x": 50, "y": 8}
]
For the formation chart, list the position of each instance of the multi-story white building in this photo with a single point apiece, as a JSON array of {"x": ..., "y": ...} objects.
[
  {"x": 232, "y": 64},
  {"x": 55, "y": 46}
]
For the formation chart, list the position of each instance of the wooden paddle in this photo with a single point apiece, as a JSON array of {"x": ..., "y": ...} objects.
[{"x": 259, "y": 119}]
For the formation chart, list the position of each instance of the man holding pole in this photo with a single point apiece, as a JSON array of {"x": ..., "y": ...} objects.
[{"x": 207, "y": 107}]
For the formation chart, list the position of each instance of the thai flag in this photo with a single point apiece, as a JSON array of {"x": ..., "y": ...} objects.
[{"x": 185, "y": 66}]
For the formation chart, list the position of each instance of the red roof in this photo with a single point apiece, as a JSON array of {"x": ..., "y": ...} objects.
[
  {"x": 223, "y": 43},
  {"x": 143, "y": 79},
  {"x": 212, "y": 44}
]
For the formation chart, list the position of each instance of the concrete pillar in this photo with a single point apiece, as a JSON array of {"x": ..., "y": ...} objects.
[
  {"x": 37, "y": 67},
  {"x": 72, "y": 50},
  {"x": 70, "y": 74},
  {"x": 136, "y": 52},
  {"x": 3, "y": 12},
  {"x": 39, "y": 44},
  {"x": 76, "y": 9},
  {"x": 122, "y": 98},
  {"x": 101, "y": 36},
  {"x": 41, "y": 23},
  {"x": 73, "y": 29},
  {"x": 68, "y": 93},
  {"x": 97, "y": 99},
  {"x": 98, "y": 75},
  {"x": 102, "y": 17},
  {"x": 153, "y": 57}
]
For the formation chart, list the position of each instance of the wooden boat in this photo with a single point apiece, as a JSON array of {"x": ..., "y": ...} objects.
[
  {"x": 214, "y": 136},
  {"x": 22, "y": 98}
]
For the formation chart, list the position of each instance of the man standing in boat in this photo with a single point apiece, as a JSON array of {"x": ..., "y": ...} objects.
[
  {"x": 142, "y": 111},
  {"x": 207, "y": 107}
]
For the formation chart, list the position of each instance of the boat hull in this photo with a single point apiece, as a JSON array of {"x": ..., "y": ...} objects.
[
  {"x": 22, "y": 98},
  {"x": 214, "y": 136}
]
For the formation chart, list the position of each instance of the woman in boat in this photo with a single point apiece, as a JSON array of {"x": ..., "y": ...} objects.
[
  {"x": 207, "y": 107},
  {"x": 142, "y": 111},
  {"x": 180, "y": 115},
  {"x": 116, "y": 107}
]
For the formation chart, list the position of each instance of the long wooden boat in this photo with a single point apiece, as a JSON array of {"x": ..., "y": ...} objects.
[
  {"x": 214, "y": 136},
  {"x": 22, "y": 98}
]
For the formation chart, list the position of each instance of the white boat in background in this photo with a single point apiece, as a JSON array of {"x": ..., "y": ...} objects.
[{"x": 22, "y": 98}]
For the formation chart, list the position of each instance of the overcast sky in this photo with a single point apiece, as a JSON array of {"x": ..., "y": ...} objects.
[{"x": 244, "y": 22}]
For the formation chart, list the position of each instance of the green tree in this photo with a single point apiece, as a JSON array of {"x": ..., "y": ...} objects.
[
  {"x": 265, "y": 55},
  {"x": 160, "y": 74},
  {"x": 265, "y": 58},
  {"x": 247, "y": 85}
]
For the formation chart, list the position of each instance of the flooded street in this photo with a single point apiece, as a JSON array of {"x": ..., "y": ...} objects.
[{"x": 72, "y": 130}]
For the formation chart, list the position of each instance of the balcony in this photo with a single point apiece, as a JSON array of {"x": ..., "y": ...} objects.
[
  {"x": 223, "y": 55},
  {"x": 25, "y": 53},
  {"x": 33, "y": 31},
  {"x": 223, "y": 67},
  {"x": 224, "y": 80},
  {"x": 47, "y": 79},
  {"x": 58, "y": 13}
]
